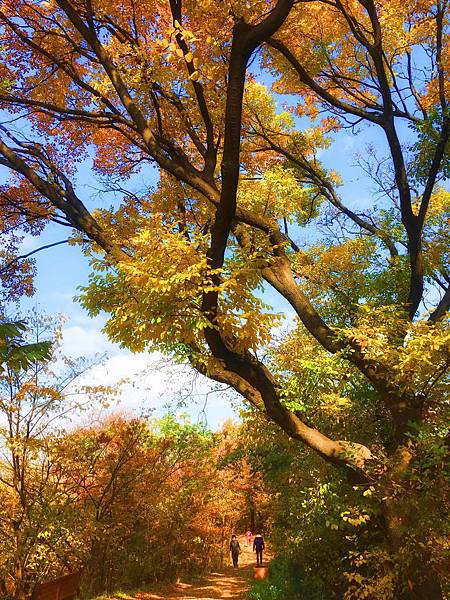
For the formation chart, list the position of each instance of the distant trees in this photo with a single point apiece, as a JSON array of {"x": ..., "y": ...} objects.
[
  {"x": 33, "y": 404},
  {"x": 126, "y": 499},
  {"x": 148, "y": 500}
]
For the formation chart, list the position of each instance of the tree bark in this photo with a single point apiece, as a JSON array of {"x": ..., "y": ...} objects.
[
  {"x": 19, "y": 569},
  {"x": 400, "y": 518}
]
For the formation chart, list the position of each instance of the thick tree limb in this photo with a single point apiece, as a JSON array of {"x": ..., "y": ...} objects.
[
  {"x": 386, "y": 120},
  {"x": 254, "y": 382},
  {"x": 442, "y": 308},
  {"x": 245, "y": 40},
  {"x": 65, "y": 200}
]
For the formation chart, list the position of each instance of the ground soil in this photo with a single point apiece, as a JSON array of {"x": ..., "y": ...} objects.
[{"x": 230, "y": 583}]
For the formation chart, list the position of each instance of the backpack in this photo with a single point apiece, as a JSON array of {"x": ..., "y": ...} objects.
[{"x": 259, "y": 542}]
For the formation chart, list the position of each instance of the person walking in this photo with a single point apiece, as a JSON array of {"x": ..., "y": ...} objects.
[
  {"x": 235, "y": 550},
  {"x": 249, "y": 536},
  {"x": 258, "y": 546}
]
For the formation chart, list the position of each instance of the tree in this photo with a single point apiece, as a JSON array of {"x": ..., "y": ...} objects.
[
  {"x": 34, "y": 401},
  {"x": 147, "y": 499},
  {"x": 184, "y": 267},
  {"x": 328, "y": 536},
  {"x": 100, "y": 469},
  {"x": 15, "y": 354}
]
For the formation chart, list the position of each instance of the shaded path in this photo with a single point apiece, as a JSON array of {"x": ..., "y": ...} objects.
[{"x": 227, "y": 583}]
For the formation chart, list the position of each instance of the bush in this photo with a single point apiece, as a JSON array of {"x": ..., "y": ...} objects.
[{"x": 287, "y": 580}]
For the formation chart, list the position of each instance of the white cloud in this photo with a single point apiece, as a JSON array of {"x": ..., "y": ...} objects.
[
  {"x": 80, "y": 341},
  {"x": 155, "y": 384}
]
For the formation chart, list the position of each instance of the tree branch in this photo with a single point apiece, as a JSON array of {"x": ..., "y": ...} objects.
[
  {"x": 442, "y": 308},
  {"x": 65, "y": 200},
  {"x": 23, "y": 256},
  {"x": 305, "y": 78}
]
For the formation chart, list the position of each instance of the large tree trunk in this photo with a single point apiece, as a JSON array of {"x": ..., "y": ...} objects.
[
  {"x": 401, "y": 519},
  {"x": 19, "y": 567},
  {"x": 19, "y": 593},
  {"x": 96, "y": 567}
]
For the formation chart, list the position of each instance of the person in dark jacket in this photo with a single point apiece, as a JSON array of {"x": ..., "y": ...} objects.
[
  {"x": 235, "y": 550},
  {"x": 258, "y": 546}
]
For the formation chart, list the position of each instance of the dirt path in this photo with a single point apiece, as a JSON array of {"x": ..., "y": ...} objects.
[{"x": 228, "y": 583}]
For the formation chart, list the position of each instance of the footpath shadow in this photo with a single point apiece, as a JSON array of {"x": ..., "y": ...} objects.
[{"x": 228, "y": 583}]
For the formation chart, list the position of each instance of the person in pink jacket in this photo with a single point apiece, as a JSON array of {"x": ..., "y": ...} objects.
[{"x": 249, "y": 536}]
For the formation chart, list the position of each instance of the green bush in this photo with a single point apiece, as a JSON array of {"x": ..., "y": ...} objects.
[{"x": 286, "y": 580}]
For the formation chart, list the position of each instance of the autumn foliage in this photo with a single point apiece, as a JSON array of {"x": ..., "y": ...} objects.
[
  {"x": 224, "y": 109},
  {"x": 127, "y": 500}
]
